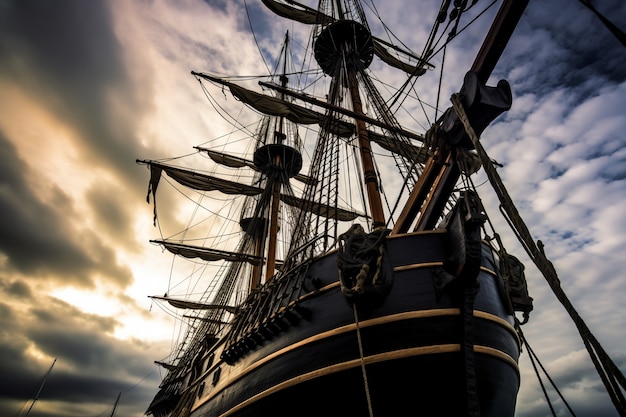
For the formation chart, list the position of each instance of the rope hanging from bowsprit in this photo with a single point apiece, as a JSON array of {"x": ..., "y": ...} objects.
[
  {"x": 610, "y": 375},
  {"x": 458, "y": 276},
  {"x": 362, "y": 358},
  {"x": 360, "y": 259}
]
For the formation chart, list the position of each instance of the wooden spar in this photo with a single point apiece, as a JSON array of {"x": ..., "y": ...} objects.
[
  {"x": 432, "y": 171},
  {"x": 349, "y": 54},
  {"x": 355, "y": 115},
  {"x": 273, "y": 232},
  {"x": 430, "y": 195},
  {"x": 497, "y": 38}
]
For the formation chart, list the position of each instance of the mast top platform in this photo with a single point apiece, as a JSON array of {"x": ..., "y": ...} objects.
[{"x": 344, "y": 37}]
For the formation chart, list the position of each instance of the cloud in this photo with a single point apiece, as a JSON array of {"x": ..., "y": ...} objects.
[
  {"x": 37, "y": 237},
  {"x": 70, "y": 113},
  {"x": 92, "y": 366},
  {"x": 67, "y": 58},
  {"x": 573, "y": 375}
]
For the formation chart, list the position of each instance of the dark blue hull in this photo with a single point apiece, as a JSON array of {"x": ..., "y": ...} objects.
[{"x": 413, "y": 345}]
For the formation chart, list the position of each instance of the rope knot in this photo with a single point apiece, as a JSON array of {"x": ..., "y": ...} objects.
[{"x": 360, "y": 262}]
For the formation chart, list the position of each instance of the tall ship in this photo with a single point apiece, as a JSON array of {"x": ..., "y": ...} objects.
[{"x": 349, "y": 267}]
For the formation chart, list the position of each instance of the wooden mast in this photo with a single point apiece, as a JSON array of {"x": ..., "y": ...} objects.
[
  {"x": 367, "y": 160},
  {"x": 257, "y": 270},
  {"x": 350, "y": 55},
  {"x": 276, "y": 178}
]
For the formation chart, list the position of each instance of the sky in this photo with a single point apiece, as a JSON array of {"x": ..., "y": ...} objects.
[{"x": 86, "y": 87}]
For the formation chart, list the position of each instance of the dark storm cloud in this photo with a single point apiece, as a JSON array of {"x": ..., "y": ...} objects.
[
  {"x": 66, "y": 54},
  {"x": 36, "y": 235},
  {"x": 112, "y": 213},
  {"x": 19, "y": 289},
  {"x": 32, "y": 233},
  {"x": 92, "y": 367},
  {"x": 65, "y": 57},
  {"x": 564, "y": 45}
]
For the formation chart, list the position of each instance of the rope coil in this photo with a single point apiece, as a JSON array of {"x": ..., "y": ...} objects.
[{"x": 360, "y": 263}]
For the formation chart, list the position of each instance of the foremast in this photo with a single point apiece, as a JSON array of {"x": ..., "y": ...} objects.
[{"x": 277, "y": 180}]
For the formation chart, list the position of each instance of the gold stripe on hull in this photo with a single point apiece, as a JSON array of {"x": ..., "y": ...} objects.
[
  {"x": 381, "y": 357},
  {"x": 410, "y": 267},
  {"x": 420, "y": 314}
]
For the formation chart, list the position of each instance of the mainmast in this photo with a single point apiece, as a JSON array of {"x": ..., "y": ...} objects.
[{"x": 343, "y": 49}]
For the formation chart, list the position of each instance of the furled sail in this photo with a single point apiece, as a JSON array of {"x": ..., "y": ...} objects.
[
  {"x": 418, "y": 154},
  {"x": 165, "y": 365},
  {"x": 227, "y": 160},
  {"x": 310, "y": 16},
  {"x": 203, "y": 182},
  {"x": 340, "y": 110},
  {"x": 381, "y": 51},
  {"x": 206, "y": 320},
  {"x": 207, "y": 254},
  {"x": 238, "y": 162},
  {"x": 195, "y": 180},
  {"x": 302, "y": 13},
  {"x": 274, "y": 106},
  {"x": 198, "y": 181},
  {"x": 320, "y": 209},
  {"x": 194, "y": 305}
]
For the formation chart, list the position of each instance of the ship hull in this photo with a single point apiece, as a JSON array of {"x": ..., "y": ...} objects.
[{"x": 409, "y": 354}]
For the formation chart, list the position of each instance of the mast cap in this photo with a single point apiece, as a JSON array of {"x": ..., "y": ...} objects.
[{"x": 331, "y": 44}]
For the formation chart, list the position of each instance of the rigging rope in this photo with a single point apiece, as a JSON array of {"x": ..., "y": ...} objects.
[
  {"x": 429, "y": 50},
  {"x": 254, "y": 36},
  {"x": 533, "y": 357},
  {"x": 612, "y": 378},
  {"x": 366, "y": 383},
  {"x": 617, "y": 32},
  {"x": 543, "y": 387}
]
